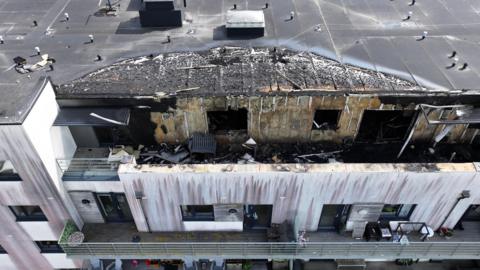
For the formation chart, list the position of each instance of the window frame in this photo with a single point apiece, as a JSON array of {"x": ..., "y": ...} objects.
[
  {"x": 9, "y": 176},
  {"x": 194, "y": 216},
  {"x": 390, "y": 217},
  {"x": 229, "y": 113},
  {"x": 19, "y": 218},
  {"x": 49, "y": 248}
]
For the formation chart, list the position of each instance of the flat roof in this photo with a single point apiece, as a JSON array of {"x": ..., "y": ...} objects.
[{"x": 370, "y": 34}]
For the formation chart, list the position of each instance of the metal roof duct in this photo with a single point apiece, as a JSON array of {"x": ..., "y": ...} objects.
[
  {"x": 93, "y": 117},
  {"x": 463, "y": 114}
]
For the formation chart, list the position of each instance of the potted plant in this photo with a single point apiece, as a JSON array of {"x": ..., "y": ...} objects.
[
  {"x": 446, "y": 232},
  {"x": 247, "y": 265}
]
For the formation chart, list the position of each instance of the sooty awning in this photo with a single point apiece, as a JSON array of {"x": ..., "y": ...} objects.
[
  {"x": 450, "y": 114},
  {"x": 93, "y": 117}
]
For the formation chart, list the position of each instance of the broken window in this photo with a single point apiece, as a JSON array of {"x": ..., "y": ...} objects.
[
  {"x": 326, "y": 119},
  {"x": 474, "y": 126},
  {"x": 197, "y": 213},
  {"x": 227, "y": 120},
  {"x": 111, "y": 136},
  {"x": 382, "y": 126}
]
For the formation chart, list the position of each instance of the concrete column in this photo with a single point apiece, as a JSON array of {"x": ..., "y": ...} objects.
[
  {"x": 135, "y": 204},
  {"x": 118, "y": 264},
  {"x": 95, "y": 263},
  {"x": 298, "y": 264},
  {"x": 218, "y": 263},
  {"x": 188, "y": 263},
  {"x": 290, "y": 264}
]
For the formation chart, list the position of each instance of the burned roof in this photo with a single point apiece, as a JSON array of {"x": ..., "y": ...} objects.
[
  {"x": 373, "y": 34},
  {"x": 231, "y": 70}
]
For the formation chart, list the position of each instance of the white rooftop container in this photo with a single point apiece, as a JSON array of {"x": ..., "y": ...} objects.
[{"x": 245, "y": 19}]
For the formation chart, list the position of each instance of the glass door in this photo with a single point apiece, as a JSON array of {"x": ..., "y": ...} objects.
[
  {"x": 333, "y": 217},
  {"x": 114, "y": 207}
]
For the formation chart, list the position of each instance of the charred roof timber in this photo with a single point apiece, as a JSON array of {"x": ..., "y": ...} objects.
[{"x": 231, "y": 70}]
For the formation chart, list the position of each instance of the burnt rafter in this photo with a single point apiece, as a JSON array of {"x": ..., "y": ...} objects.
[{"x": 231, "y": 70}]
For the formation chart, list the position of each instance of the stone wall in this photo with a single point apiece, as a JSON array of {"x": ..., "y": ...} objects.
[{"x": 286, "y": 118}]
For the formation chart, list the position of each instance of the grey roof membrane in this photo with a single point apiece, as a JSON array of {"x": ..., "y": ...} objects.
[{"x": 365, "y": 33}]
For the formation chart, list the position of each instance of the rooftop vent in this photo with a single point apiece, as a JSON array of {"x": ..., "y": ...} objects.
[
  {"x": 160, "y": 13},
  {"x": 245, "y": 23}
]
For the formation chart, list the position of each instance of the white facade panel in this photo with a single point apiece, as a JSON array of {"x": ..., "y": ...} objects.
[
  {"x": 94, "y": 186},
  {"x": 212, "y": 226},
  {"x": 60, "y": 261},
  {"x": 38, "y": 230},
  {"x": 6, "y": 262}
]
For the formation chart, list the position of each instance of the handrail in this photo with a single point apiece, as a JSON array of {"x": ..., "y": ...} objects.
[
  {"x": 89, "y": 168},
  {"x": 311, "y": 250}
]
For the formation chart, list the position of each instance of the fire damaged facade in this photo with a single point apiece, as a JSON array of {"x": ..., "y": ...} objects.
[
  {"x": 342, "y": 134},
  {"x": 231, "y": 154}
]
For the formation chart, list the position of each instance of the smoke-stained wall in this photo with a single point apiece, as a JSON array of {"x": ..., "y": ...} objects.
[
  {"x": 297, "y": 192},
  {"x": 286, "y": 118}
]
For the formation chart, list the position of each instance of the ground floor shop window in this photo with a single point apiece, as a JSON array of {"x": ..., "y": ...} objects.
[
  {"x": 397, "y": 211},
  {"x": 197, "y": 213}
]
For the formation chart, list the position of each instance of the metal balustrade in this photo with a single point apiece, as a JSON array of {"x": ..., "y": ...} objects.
[
  {"x": 89, "y": 169},
  {"x": 276, "y": 250}
]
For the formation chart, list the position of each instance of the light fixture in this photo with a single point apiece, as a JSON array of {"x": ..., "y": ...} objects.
[
  {"x": 363, "y": 212},
  {"x": 86, "y": 201}
]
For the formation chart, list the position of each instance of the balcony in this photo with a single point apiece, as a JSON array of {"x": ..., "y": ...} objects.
[
  {"x": 119, "y": 241},
  {"x": 91, "y": 164},
  {"x": 89, "y": 169}
]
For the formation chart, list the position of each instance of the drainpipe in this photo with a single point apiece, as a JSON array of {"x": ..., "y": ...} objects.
[
  {"x": 139, "y": 197},
  {"x": 407, "y": 141},
  {"x": 464, "y": 195}
]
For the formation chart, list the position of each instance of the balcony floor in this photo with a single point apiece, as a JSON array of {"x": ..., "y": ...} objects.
[
  {"x": 471, "y": 233},
  {"x": 124, "y": 233}
]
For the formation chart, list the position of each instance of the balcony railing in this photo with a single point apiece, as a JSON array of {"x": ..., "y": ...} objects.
[
  {"x": 183, "y": 244},
  {"x": 323, "y": 250},
  {"x": 89, "y": 169}
]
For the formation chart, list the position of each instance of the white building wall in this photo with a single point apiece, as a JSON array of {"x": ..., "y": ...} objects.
[
  {"x": 95, "y": 186},
  {"x": 64, "y": 145},
  {"x": 60, "y": 261},
  {"x": 6, "y": 263},
  {"x": 212, "y": 226},
  {"x": 51, "y": 143},
  {"x": 29, "y": 149}
]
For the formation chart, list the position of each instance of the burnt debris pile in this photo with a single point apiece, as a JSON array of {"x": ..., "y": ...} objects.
[{"x": 306, "y": 153}]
